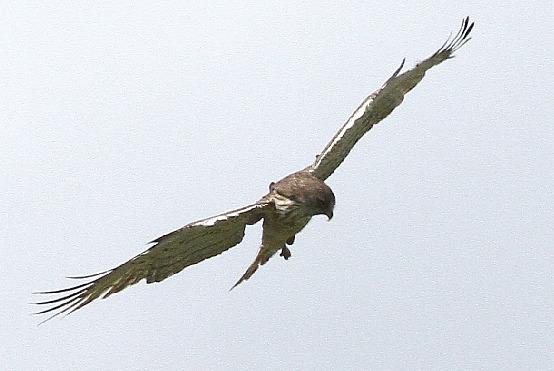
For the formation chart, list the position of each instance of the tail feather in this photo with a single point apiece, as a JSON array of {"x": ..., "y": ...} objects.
[
  {"x": 263, "y": 256},
  {"x": 249, "y": 272}
]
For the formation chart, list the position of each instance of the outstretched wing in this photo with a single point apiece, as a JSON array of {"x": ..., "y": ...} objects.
[
  {"x": 171, "y": 253},
  {"x": 380, "y": 104}
]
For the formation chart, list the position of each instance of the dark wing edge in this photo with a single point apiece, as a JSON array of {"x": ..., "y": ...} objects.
[
  {"x": 170, "y": 254},
  {"x": 381, "y": 103}
]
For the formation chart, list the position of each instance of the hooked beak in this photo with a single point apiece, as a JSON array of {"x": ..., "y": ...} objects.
[{"x": 329, "y": 215}]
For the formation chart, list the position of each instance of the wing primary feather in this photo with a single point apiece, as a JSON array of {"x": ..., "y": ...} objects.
[
  {"x": 396, "y": 72},
  {"x": 57, "y": 300},
  {"x": 460, "y": 32},
  {"x": 87, "y": 276},
  {"x": 68, "y": 305},
  {"x": 73, "y": 288}
]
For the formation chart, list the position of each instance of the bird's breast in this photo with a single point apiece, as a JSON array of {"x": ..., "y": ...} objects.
[{"x": 290, "y": 217}]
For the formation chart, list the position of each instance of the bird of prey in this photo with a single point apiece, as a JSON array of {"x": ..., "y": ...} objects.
[{"x": 285, "y": 209}]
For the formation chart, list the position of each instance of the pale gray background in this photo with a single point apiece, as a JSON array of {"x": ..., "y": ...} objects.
[{"x": 120, "y": 122}]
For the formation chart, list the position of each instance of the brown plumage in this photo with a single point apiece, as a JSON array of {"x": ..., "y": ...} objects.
[
  {"x": 296, "y": 198},
  {"x": 285, "y": 210}
]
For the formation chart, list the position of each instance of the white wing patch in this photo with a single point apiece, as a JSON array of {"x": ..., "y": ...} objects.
[
  {"x": 358, "y": 113},
  {"x": 213, "y": 220}
]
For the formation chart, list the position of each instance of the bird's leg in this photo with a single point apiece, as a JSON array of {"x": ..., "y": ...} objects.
[{"x": 285, "y": 252}]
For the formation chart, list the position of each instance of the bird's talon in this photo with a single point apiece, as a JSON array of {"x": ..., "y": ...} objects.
[{"x": 285, "y": 253}]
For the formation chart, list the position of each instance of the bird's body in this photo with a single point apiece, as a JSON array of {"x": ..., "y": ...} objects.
[
  {"x": 285, "y": 210},
  {"x": 296, "y": 198}
]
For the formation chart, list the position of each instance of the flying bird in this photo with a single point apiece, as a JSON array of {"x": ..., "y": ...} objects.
[{"x": 285, "y": 209}]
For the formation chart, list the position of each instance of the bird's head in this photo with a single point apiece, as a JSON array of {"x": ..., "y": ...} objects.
[
  {"x": 320, "y": 200},
  {"x": 325, "y": 203},
  {"x": 307, "y": 190},
  {"x": 316, "y": 195}
]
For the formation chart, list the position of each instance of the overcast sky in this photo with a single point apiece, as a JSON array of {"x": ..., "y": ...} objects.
[{"x": 121, "y": 122}]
